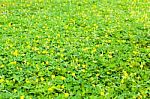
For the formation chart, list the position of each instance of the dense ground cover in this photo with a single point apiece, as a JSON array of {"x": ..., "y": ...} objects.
[{"x": 93, "y": 49}]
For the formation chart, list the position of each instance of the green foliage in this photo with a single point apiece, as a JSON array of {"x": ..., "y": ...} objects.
[{"x": 92, "y": 49}]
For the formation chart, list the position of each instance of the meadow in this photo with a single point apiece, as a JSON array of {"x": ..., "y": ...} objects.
[{"x": 74, "y": 49}]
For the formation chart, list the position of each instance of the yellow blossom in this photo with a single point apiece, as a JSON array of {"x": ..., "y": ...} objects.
[
  {"x": 13, "y": 63},
  {"x": 15, "y": 53},
  {"x": 109, "y": 56},
  {"x": 36, "y": 80},
  {"x": 15, "y": 90},
  {"x": 1, "y": 66},
  {"x": 66, "y": 95},
  {"x": 97, "y": 75},
  {"x": 102, "y": 93},
  {"x": 10, "y": 24},
  {"x": 93, "y": 85},
  {"x": 42, "y": 79},
  {"x": 50, "y": 89},
  {"x": 85, "y": 49},
  {"x": 21, "y": 97},
  {"x": 125, "y": 74},
  {"x": 62, "y": 86},
  {"x": 94, "y": 50},
  {"x": 46, "y": 62},
  {"x": 53, "y": 76},
  {"x": 101, "y": 55},
  {"x": 27, "y": 81},
  {"x": 63, "y": 78},
  {"x": 73, "y": 74},
  {"x": 1, "y": 80},
  {"x": 83, "y": 70},
  {"x": 84, "y": 65},
  {"x": 44, "y": 52}
]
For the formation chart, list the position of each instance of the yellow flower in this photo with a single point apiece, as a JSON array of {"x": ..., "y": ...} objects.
[
  {"x": 13, "y": 63},
  {"x": 37, "y": 80},
  {"x": 62, "y": 86},
  {"x": 21, "y": 97},
  {"x": 84, "y": 66},
  {"x": 1, "y": 80},
  {"x": 135, "y": 52},
  {"x": 94, "y": 50},
  {"x": 97, "y": 75},
  {"x": 102, "y": 93},
  {"x": 101, "y": 55},
  {"x": 15, "y": 90},
  {"x": 58, "y": 35},
  {"x": 125, "y": 74},
  {"x": 1, "y": 66},
  {"x": 73, "y": 74},
  {"x": 10, "y": 24},
  {"x": 15, "y": 53},
  {"x": 85, "y": 49},
  {"x": 42, "y": 79},
  {"x": 122, "y": 81},
  {"x": 141, "y": 66},
  {"x": 46, "y": 62},
  {"x": 53, "y": 76},
  {"x": 93, "y": 85},
  {"x": 108, "y": 73},
  {"x": 27, "y": 81},
  {"x": 66, "y": 95},
  {"x": 109, "y": 56},
  {"x": 50, "y": 89},
  {"x": 83, "y": 70},
  {"x": 45, "y": 52},
  {"x": 63, "y": 78}
]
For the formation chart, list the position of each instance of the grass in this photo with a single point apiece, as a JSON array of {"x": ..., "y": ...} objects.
[{"x": 91, "y": 49}]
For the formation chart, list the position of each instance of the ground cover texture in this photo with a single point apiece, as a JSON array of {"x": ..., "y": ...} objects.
[{"x": 76, "y": 49}]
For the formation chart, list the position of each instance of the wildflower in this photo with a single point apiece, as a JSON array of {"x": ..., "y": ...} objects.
[
  {"x": 27, "y": 81},
  {"x": 85, "y": 49},
  {"x": 135, "y": 52},
  {"x": 93, "y": 85},
  {"x": 50, "y": 89},
  {"x": 10, "y": 24},
  {"x": 102, "y": 93},
  {"x": 1, "y": 80},
  {"x": 101, "y": 55},
  {"x": 58, "y": 35},
  {"x": 108, "y": 73},
  {"x": 63, "y": 78},
  {"x": 1, "y": 66},
  {"x": 15, "y": 90},
  {"x": 122, "y": 81},
  {"x": 44, "y": 52},
  {"x": 53, "y": 76},
  {"x": 109, "y": 56},
  {"x": 36, "y": 80},
  {"x": 83, "y": 70},
  {"x": 84, "y": 66},
  {"x": 42, "y": 79},
  {"x": 15, "y": 53},
  {"x": 125, "y": 74},
  {"x": 62, "y": 86},
  {"x": 94, "y": 50},
  {"x": 13, "y": 63},
  {"x": 21, "y": 97},
  {"x": 46, "y": 62},
  {"x": 66, "y": 95},
  {"x": 73, "y": 74},
  {"x": 97, "y": 75}
]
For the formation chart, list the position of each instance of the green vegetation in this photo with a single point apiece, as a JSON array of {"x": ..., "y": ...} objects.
[{"x": 92, "y": 49}]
